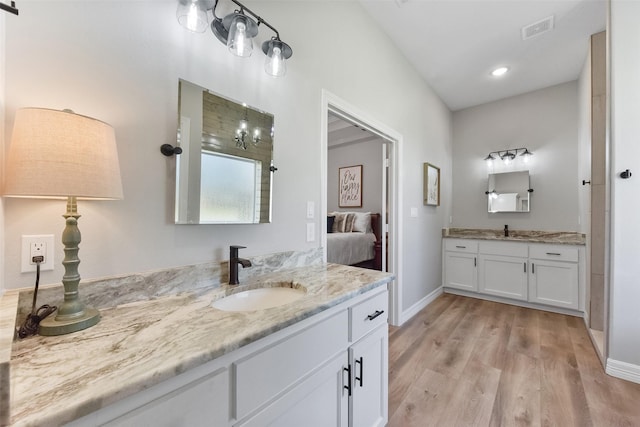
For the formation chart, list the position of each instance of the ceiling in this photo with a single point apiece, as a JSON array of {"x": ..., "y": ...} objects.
[{"x": 455, "y": 44}]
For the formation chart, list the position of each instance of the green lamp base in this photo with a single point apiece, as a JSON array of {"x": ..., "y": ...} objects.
[{"x": 51, "y": 325}]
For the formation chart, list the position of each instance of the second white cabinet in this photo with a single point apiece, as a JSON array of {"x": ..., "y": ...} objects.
[{"x": 537, "y": 273}]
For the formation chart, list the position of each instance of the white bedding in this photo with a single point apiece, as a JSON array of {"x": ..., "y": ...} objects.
[{"x": 350, "y": 248}]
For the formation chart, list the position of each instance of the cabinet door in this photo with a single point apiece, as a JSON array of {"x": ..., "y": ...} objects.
[
  {"x": 503, "y": 276},
  {"x": 460, "y": 271},
  {"x": 316, "y": 402},
  {"x": 369, "y": 372},
  {"x": 554, "y": 283}
]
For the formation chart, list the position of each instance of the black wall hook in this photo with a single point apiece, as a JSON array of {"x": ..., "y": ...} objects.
[
  {"x": 169, "y": 150},
  {"x": 626, "y": 174},
  {"x": 584, "y": 182},
  {"x": 10, "y": 9}
]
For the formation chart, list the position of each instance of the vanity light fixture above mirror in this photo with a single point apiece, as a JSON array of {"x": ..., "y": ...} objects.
[
  {"x": 236, "y": 31},
  {"x": 507, "y": 156}
]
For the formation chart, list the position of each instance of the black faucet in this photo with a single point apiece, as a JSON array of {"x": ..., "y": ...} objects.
[
  {"x": 506, "y": 230},
  {"x": 233, "y": 264}
]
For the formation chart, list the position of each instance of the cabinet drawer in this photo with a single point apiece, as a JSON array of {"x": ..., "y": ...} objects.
[
  {"x": 461, "y": 245},
  {"x": 367, "y": 315},
  {"x": 265, "y": 375},
  {"x": 554, "y": 252},
  {"x": 504, "y": 249}
]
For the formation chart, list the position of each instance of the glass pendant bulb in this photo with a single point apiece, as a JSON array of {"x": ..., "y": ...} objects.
[
  {"x": 240, "y": 34},
  {"x": 274, "y": 64},
  {"x": 192, "y": 15},
  {"x": 277, "y": 53}
]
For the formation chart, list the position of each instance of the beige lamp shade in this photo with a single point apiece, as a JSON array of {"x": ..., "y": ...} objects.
[{"x": 60, "y": 154}]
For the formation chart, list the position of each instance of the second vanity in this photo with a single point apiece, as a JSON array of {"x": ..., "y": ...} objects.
[
  {"x": 534, "y": 269},
  {"x": 176, "y": 360}
]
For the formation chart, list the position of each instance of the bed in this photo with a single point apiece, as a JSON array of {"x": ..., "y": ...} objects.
[{"x": 356, "y": 243}]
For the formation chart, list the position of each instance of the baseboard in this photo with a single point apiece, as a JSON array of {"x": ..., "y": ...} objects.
[
  {"x": 624, "y": 370},
  {"x": 422, "y": 303}
]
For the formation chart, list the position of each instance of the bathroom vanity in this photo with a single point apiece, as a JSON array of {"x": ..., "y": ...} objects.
[
  {"x": 175, "y": 360},
  {"x": 533, "y": 269}
]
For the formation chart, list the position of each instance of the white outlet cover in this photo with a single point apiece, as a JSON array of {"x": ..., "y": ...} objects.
[
  {"x": 311, "y": 232},
  {"x": 49, "y": 261},
  {"x": 311, "y": 209}
]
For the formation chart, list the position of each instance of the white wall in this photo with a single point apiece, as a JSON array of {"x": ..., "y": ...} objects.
[
  {"x": 369, "y": 155},
  {"x": 544, "y": 121},
  {"x": 624, "y": 327},
  {"x": 120, "y": 61}
]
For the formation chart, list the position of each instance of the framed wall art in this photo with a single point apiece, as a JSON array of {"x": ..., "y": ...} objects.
[
  {"x": 431, "y": 185},
  {"x": 350, "y": 187}
]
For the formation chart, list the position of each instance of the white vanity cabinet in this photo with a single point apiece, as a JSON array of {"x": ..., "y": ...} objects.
[
  {"x": 553, "y": 276},
  {"x": 328, "y": 370},
  {"x": 503, "y": 269},
  {"x": 531, "y": 274},
  {"x": 460, "y": 264}
]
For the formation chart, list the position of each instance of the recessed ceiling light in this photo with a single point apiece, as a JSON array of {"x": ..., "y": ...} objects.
[{"x": 499, "y": 71}]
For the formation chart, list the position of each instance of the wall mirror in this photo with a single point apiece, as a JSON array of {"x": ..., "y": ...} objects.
[
  {"x": 223, "y": 175},
  {"x": 509, "y": 192}
]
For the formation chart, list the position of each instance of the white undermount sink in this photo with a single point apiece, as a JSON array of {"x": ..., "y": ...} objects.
[{"x": 259, "y": 299}]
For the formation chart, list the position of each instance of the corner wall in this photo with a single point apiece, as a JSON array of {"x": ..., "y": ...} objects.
[{"x": 544, "y": 121}]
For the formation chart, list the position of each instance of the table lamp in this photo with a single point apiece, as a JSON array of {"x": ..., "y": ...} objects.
[{"x": 56, "y": 154}]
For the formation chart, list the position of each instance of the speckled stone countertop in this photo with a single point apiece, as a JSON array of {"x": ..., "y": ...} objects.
[
  {"x": 555, "y": 237},
  {"x": 141, "y": 343}
]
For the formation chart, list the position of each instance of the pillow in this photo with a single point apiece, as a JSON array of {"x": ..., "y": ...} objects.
[
  {"x": 330, "y": 221},
  {"x": 362, "y": 223},
  {"x": 343, "y": 222}
]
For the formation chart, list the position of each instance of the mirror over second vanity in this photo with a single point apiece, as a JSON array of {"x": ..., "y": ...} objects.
[
  {"x": 509, "y": 192},
  {"x": 223, "y": 175}
]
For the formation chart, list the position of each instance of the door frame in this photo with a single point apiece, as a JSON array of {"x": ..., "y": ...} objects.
[{"x": 336, "y": 105}]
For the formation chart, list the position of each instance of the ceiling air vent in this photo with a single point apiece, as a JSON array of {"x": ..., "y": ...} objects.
[{"x": 537, "y": 28}]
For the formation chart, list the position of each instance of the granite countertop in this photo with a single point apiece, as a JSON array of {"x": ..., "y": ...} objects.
[
  {"x": 139, "y": 344},
  {"x": 532, "y": 236}
]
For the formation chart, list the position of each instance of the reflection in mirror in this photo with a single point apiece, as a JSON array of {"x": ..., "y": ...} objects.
[
  {"x": 223, "y": 175},
  {"x": 509, "y": 192}
]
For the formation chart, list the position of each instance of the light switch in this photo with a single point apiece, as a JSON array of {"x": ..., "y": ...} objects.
[
  {"x": 414, "y": 212},
  {"x": 311, "y": 209},
  {"x": 311, "y": 232}
]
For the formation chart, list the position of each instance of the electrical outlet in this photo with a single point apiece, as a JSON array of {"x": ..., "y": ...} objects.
[
  {"x": 33, "y": 246},
  {"x": 37, "y": 252}
]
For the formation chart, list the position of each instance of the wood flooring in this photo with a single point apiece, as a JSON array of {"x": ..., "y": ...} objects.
[{"x": 469, "y": 362}]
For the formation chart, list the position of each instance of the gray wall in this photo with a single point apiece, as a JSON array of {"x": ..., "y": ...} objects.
[
  {"x": 123, "y": 65},
  {"x": 544, "y": 121},
  {"x": 369, "y": 155}
]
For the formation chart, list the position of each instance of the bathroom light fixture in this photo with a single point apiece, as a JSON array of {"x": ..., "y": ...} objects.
[
  {"x": 236, "y": 30},
  {"x": 60, "y": 154},
  {"x": 192, "y": 15},
  {"x": 242, "y": 132},
  {"x": 507, "y": 156},
  {"x": 500, "y": 71}
]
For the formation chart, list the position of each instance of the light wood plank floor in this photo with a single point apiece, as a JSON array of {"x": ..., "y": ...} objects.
[{"x": 468, "y": 362}]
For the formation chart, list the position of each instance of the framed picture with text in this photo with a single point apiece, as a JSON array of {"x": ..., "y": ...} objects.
[{"x": 350, "y": 187}]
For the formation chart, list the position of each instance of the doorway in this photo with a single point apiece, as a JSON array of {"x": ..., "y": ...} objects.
[{"x": 386, "y": 142}]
